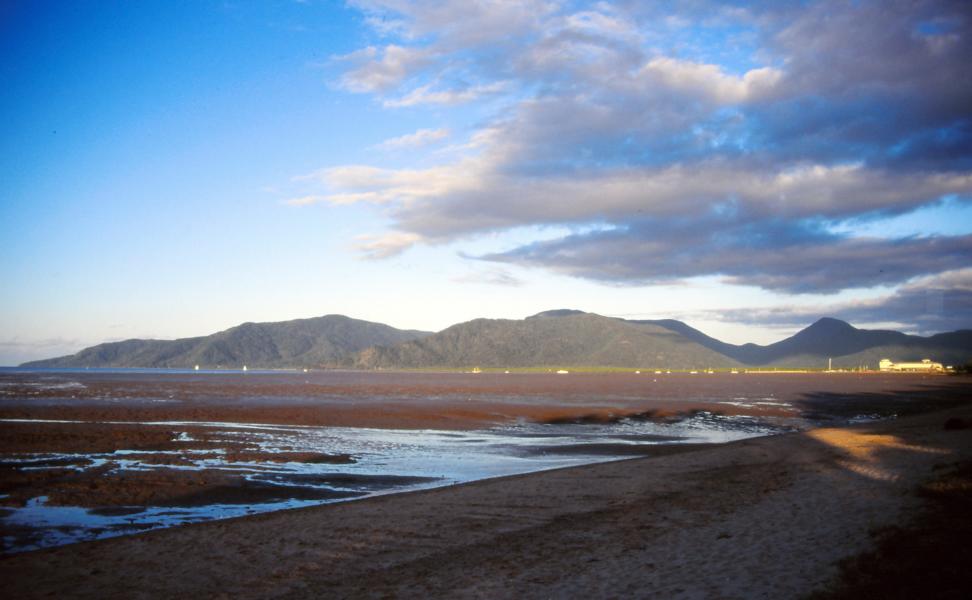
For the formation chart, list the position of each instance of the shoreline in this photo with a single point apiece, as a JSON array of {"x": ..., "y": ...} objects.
[
  {"x": 472, "y": 370},
  {"x": 102, "y": 455},
  {"x": 455, "y": 401},
  {"x": 785, "y": 508}
]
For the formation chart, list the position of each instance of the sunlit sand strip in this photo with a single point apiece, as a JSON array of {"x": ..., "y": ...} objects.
[{"x": 863, "y": 449}]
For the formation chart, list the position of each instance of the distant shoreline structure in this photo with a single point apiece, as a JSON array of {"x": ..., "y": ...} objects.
[{"x": 925, "y": 366}]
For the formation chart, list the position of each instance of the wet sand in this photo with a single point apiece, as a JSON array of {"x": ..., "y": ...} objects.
[
  {"x": 761, "y": 518},
  {"x": 455, "y": 400},
  {"x": 116, "y": 411},
  {"x": 73, "y": 481}
]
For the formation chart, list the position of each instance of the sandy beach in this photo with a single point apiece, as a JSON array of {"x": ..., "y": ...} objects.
[
  {"x": 139, "y": 450},
  {"x": 761, "y": 518}
]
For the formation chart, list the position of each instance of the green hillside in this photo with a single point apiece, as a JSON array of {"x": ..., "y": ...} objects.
[
  {"x": 574, "y": 339},
  {"x": 332, "y": 340},
  {"x": 557, "y": 338}
]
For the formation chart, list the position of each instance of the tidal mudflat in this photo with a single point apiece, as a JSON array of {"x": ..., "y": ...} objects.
[{"x": 94, "y": 454}]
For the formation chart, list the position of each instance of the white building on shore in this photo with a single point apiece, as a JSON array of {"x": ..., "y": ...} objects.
[{"x": 925, "y": 366}]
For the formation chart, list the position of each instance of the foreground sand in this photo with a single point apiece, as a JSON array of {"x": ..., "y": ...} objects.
[{"x": 763, "y": 518}]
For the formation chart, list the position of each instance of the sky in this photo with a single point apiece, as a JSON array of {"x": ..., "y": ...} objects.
[{"x": 171, "y": 169}]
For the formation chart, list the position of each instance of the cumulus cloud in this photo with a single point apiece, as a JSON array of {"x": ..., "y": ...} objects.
[
  {"x": 687, "y": 140},
  {"x": 711, "y": 82}
]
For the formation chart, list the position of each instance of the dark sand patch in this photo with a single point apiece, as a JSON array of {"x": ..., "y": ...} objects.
[
  {"x": 360, "y": 481},
  {"x": 927, "y": 556},
  {"x": 310, "y": 458},
  {"x": 167, "y": 487},
  {"x": 20, "y": 462},
  {"x": 619, "y": 449},
  {"x": 242, "y": 491},
  {"x": 244, "y": 456},
  {"x": 633, "y": 437},
  {"x": 18, "y": 485},
  {"x": 94, "y": 438},
  {"x": 117, "y": 511}
]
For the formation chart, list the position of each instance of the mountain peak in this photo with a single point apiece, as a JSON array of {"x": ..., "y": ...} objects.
[
  {"x": 560, "y": 312},
  {"x": 823, "y": 333},
  {"x": 831, "y": 325}
]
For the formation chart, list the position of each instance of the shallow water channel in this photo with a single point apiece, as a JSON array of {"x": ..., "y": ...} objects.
[{"x": 366, "y": 462}]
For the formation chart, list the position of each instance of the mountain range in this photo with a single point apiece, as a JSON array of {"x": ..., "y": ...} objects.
[
  {"x": 332, "y": 340},
  {"x": 557, "y": 338}
]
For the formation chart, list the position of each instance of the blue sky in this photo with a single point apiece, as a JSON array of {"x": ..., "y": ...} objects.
[{"x": 170, "y": 169}]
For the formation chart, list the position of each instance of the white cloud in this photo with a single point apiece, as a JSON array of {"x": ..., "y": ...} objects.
[
  {"x": 418, "y": 139},
  {"x": 403, "y": 187},
  {"x": 605, "y": 22},
  {"x": 460, "y": 23},
  {"x": 710, "y": 81},
  {"x": 387, "y": 245},
  {"x": 426, "y": 95},
  {"x": 377, "y": 70}
]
